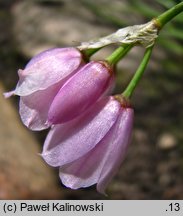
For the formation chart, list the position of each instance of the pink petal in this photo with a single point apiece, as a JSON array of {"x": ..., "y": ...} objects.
[
  {"x": 79, "y": 92},
  {"x": 46, "y": 69},
  {"x": 118, "y": 148},
  {"x": 102, "y": 162},
  {"x": 34, "y": 108},
  {"x": 70, "y": 141},
  {"x": 86, "y": 170}
]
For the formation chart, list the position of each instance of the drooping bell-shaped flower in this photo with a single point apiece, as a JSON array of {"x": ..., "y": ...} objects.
[
  {"x": 90, "y": 149},
  {"x": 56, "y": 86},
  {"x": 80, "y": 92},
  {"x": 41, "y": 80}
]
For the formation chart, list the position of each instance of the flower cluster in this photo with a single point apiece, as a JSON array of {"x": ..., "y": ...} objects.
[{"x": 90, "y": 130}]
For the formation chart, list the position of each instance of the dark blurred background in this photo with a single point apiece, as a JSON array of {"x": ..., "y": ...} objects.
[{"x": 153, "y": 168}]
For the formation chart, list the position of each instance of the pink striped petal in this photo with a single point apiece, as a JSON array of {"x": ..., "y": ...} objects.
[
  {"x": 118, "y": 148},
  {"x": 100, "y": 164},
  {"x": 70, "y": 141},
  {"x": 79, "y": 92},
  {"x": 46, "y": 69},
  {"x": 34, "y": 108},
  {"x": 86, "y": 170}
]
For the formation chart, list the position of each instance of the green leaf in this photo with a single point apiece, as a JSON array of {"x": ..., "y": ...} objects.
[
  {"x": 104, "y": 13},
  {"x": 177, "y": 33},
  {"x": 145, "y": 9},
  {"x": 166, "y": 3},
  {"x": 170, "y": 45}
]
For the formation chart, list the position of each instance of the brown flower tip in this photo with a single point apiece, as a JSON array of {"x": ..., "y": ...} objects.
[
  {"x": 85, "y": 58},
  {"x": 125, "y": 102},
  {"x": 108, "y": 66}
]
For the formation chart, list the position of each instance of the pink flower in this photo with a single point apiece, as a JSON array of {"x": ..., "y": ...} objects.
[
  {"x": 41, "y": 80},
  {"x": 90, "y": 148},
  {"x": 80, "y": 92},
  {"x": 56, "y": 87}
]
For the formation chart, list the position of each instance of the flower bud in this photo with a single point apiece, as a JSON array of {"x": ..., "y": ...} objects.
[
  {"x": 80, "y": 92},
  {"x": 90, "y": 149}
]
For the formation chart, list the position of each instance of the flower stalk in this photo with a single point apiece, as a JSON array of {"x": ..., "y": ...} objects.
[
  {"x": 160, "y": 21},
  {"x": 140, "y": 71},
  {"x": 168, "y": 15},
  {"x": 89, "y": 52},
  {"x": 118, "y": 54}
]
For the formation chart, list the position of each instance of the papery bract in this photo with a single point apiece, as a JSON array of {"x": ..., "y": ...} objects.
[
  {"x": 92, "y": 152},
  {"x": 80, "y": 91}
]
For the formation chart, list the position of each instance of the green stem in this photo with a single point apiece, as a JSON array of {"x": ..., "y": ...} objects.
[
  {"x": 118, "y": 54},
  {"x": 169, "y": 15},
  {"x": 136, "y": 78},
  {"x": 88, "y": 53}
]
